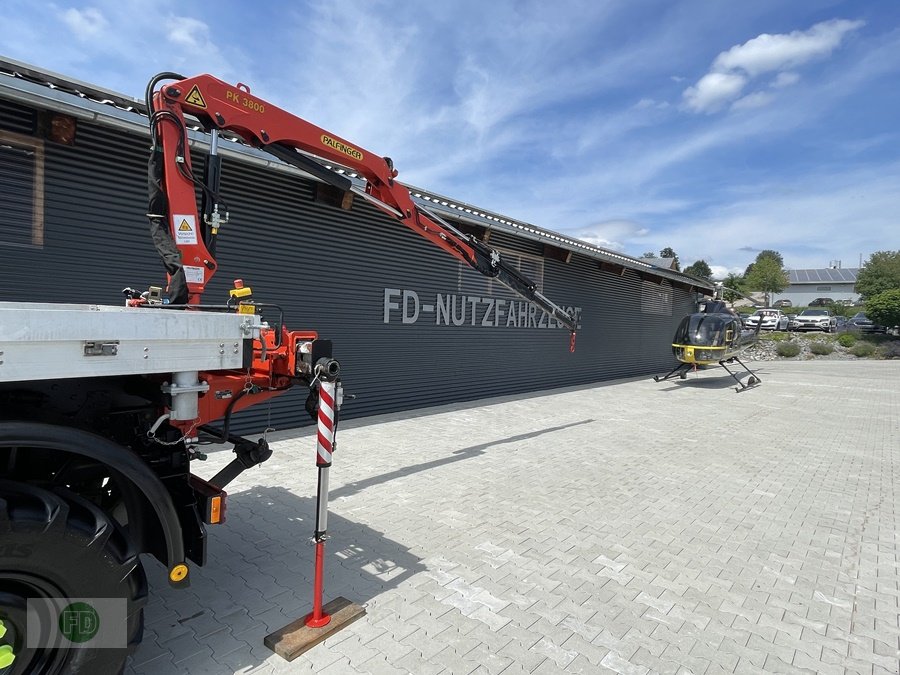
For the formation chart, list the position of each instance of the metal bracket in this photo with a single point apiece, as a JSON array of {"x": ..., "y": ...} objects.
[
  {"x": 175, "y": 389},
  {"x": 97, "y": 348}
]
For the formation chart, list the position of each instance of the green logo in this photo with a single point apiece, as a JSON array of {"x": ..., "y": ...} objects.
[{"x": 79, "y": 622}]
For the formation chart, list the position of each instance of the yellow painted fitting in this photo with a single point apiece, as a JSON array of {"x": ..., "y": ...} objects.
[
  {"x": 6, "y": 656},
  {"x": 178, "y": 573}
]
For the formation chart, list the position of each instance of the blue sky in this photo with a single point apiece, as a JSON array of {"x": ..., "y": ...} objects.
[{"x": 719, "y": 128}]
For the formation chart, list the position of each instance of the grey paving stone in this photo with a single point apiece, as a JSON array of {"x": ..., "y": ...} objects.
[
  {"x": 803, "y": 661},
  {"x": 654, "y": 547}
]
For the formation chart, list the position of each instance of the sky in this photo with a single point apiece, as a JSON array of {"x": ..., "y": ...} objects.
[{"x": 714, "y": 127}]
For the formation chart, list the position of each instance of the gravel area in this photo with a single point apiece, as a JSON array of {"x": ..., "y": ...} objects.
[{"x": 765, "y": 350}]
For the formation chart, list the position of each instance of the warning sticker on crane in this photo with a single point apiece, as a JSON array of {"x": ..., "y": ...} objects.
[
  {"x": 185, "y": 229},
  {"x": 194, "y": 97}
]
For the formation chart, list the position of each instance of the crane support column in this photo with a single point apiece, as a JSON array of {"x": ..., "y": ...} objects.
[{"x": 324, "y": 620}]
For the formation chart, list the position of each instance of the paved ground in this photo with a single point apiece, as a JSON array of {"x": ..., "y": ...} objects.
[{"x": 633, "y": 527}]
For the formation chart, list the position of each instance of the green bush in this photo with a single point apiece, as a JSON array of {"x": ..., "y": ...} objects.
[
  {"x": 862, "y": 349},
  {"x": 884, "y": 308},
  {"x": 787, "y": 349},
  {"x": 847, "y": 340},
  {"x": 821, "y": 348},
  {"x": 890, "y": 350}
]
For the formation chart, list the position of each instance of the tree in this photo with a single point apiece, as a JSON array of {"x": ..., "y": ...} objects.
[
  {"x": 880, "y": 273},
  {"x": 648, "y": 254},
  {"x": 767, "y": 275},
  {"x": 699, "y": 269},
  {"x": 667, "y": 252},
  {"x": 763, "y": 255},
  {"x": 769, "y": 253},
  {"x": 884, "y": 308},
  {"x": 734, "y": 287}
]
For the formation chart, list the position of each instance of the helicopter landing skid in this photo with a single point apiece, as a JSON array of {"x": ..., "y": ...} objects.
[
  {"x": 752, "y": 381},
  {"x": 680, "y": 371}
]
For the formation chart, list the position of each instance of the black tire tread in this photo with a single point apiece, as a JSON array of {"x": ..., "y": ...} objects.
[{"x": 57, "y": 512}]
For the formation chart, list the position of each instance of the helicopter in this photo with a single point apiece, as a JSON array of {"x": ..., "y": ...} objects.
[{"x": 713, "y": 336}]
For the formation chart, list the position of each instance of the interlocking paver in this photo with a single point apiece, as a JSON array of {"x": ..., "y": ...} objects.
[
  {"x": 803, "y": 661},
  {"x": 614, "y": 528}
]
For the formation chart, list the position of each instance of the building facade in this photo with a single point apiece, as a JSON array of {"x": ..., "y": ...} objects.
[
  {"x": 412, "y": 327},
  {"x": 836, "y": 283}
]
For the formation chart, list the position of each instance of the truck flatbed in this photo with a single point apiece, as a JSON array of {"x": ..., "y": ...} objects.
[{"x": 55, "y": 341}]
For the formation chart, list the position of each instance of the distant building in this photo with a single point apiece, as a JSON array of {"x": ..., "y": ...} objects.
[{"x": 807, "y": 285}]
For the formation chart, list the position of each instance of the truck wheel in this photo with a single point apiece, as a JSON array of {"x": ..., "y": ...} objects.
[{"x": 59, "y": 545}]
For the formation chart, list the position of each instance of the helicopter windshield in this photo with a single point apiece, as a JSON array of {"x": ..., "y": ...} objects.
[{"x": 707, "y": 330}]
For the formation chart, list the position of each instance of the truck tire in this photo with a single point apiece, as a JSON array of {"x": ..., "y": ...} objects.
[{"x": 55, "y": 544}]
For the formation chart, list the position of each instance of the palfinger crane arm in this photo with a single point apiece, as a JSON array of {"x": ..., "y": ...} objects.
[{"x": 187, "y": 243}]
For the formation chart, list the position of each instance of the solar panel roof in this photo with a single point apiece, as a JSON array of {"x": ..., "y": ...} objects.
[{"x": 830, "y": 275}]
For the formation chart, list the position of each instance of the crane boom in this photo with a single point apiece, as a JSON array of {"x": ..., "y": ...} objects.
[{"x": 189, "y": 251}]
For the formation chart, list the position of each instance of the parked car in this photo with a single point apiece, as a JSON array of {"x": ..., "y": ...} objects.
[
  {"x": 772, "y": 319},
  {"x": 782, "y": 303},
  {"x": 816, "y": 319},
  {"x": 862, "y": 324},
  {"x": 792, "y": 322},
  {"x": 821, "y": 302},
  {"x": 840, "y": 323}
]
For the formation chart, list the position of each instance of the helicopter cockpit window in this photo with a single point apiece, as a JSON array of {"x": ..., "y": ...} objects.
[{"x": 702, "y": 330}]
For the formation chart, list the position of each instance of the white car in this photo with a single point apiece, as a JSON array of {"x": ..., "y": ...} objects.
[
  {"x": 772, "y": 319},
  {"x": 816, "y": 319}
]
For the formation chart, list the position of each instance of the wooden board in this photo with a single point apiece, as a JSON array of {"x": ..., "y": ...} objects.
[{"x": 295, "y": 638}]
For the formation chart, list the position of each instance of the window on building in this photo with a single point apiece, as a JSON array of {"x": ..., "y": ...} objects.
[
  {"x": 21, "y": 190},
  {"x": 656, "y": 298},
  {"x": 823, "y": 288}
]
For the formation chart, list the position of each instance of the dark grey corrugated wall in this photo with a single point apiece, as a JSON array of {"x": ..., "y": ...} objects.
[{"x": 334, "y": 271}]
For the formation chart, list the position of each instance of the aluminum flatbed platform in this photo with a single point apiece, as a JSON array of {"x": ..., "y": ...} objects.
[{"x": 41, "y": 341}]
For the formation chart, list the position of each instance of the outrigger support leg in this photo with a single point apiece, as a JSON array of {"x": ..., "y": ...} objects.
[
  {"x": 751, "y": 381},
  {"x": 324, "y": 620},
  {"x": 680, "y": 370}
]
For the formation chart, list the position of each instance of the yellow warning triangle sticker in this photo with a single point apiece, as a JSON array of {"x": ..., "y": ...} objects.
[
  {"x": 184, "y": 227},
  {"x": 194, "y": 97}
]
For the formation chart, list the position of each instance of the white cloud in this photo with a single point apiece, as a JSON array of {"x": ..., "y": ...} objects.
[
  {"x": 767, "y": 53},
  {"x": 613, "y": 234},
  {"x": 719, "y": 272},
  {"x": 86, "y": 24},
  {"x": 713, "y": 91},
  {"x": 192, "y": 48},
  {"x": 734, "y": 69},
  {"x": 188, "y": 33}
]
